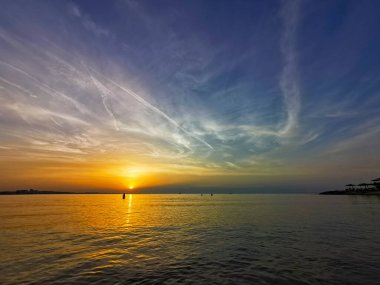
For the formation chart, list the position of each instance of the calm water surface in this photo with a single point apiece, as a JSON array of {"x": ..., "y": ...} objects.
[{"x": 189, "y": 239}]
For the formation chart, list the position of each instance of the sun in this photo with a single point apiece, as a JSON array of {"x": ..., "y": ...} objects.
[{"x": 131, "y": 187}]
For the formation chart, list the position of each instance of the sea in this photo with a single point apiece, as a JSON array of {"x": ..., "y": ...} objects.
[{"x": 189, "y": 239}]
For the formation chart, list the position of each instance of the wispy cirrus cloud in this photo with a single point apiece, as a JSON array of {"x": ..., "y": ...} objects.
[
  {"x": 87, "y": 22},
  {"x": 226, "y": 144},
  {"x": 175, "y": 90},
  {"x": 289, "y": 76}
]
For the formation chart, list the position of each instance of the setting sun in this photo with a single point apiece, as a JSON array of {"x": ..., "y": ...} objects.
[{"x": 131, "y": 187}]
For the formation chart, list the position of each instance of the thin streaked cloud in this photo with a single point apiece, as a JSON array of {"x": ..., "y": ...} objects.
[{"x": 194, "y": 89}]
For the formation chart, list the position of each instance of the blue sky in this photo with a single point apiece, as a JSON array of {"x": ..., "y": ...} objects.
[{"x": 276, "y": 95}]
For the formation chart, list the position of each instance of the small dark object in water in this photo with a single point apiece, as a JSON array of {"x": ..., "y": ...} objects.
[
  {"x": 212, "y": 194},
  {"x": 123, "y": 195}
]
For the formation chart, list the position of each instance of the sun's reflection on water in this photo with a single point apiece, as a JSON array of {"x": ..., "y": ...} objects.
[{"x": 129, "y": 210}]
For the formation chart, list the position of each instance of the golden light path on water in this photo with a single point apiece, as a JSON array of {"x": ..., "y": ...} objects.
[{"x": 130, "y": 198}]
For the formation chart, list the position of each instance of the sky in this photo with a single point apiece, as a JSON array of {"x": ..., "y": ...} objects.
[{"x": 249, "y": 96}]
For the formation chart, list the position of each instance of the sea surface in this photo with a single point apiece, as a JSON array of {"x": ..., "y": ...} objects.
[{"x": 189, "y": 239}]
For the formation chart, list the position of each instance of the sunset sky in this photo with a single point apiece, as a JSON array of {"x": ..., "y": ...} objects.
[{"x": 263, "y": 96}]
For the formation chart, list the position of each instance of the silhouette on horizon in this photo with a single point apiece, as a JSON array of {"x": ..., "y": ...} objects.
[{"x": 359, "y": 189}]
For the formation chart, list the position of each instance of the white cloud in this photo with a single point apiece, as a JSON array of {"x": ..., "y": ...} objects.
[{"x": 289, "y": 78}]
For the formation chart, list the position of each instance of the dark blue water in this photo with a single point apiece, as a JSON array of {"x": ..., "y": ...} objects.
[{"x": 189, "y": 239}]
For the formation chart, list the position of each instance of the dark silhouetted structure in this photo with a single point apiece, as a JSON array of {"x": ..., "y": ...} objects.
[
  {"x": 376, "y": 183},
  {"x": 360, "y": 189}
]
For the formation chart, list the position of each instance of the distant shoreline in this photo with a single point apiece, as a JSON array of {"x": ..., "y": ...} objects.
[
  {"x": 366, "y": 189},
  {"x": 345, "y": 192},
  {"x": 39, "y": 192}
]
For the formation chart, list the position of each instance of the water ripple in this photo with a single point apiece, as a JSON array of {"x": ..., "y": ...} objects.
[{"x": 222, "y": 242}]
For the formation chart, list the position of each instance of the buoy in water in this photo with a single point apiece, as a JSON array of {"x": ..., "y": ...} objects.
[{"x": 123, "y": 195}]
